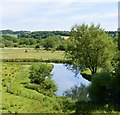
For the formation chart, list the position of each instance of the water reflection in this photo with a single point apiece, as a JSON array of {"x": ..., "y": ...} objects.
[{"x": 65, "y": 78}]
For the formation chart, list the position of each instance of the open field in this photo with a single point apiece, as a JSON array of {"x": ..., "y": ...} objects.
[{"x": 14, "y": 53}]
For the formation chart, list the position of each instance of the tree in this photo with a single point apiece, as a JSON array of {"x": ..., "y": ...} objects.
[
  {"x": 38, "y": 73},
  {"x": 41, "y": 79},
  {"x": 51, "y": 42},
  {"x": 89, "y": 47},
  {"x": 8, "y": 43},
  {"x": 32, "y": 41},
  {"x": 24, "y": 41}
]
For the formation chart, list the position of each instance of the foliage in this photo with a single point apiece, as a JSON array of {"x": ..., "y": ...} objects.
[
  {"x": 89, "y": 47},
  {"x": 86, "y": 73},
  {"x": 20, "y": 99},
  {"x": 116, "y": 81},
  {"x": 39, "y": 34},
  {"x": 40, "y": 74},
  {"x": 43, "y": 34},
  {"x": 100, "y": 88},
  {"x": 8, "y": 43},
  {"x": 51, "y": 42}
]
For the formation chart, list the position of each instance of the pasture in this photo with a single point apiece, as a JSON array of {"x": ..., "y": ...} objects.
[{"x": 17, "y": 53}]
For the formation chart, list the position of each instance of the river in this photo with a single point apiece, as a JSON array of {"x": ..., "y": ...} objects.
[{"x": 65, "y": 78}]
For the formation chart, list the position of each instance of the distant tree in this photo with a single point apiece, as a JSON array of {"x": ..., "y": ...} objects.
[
  {"x": 61, "y": 47},
  {"x": 89, "y": 47},
  {"x": 8, "y": 43},
  {"x": 6, "y": 37},
  {"x": 24, "y": 41},
  {"x": 2, "y": 45},
  {"x": 15, "y": 40},
  {"x": 32, "y": 41},
  {"x": 51, "y": 42},
  {"x": 48, "y": 43}
]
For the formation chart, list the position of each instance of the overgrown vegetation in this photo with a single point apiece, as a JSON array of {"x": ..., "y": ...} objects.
[
  {"x": 29, "y": 88},
  {"x": 96, "y": 54},
  {"x": 21, "y": 96}
]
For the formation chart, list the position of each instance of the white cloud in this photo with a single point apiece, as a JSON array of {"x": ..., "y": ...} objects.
[
  {"x": 59, "y": 1},
  {"x": 56, "y": 15},
  {"x": 12, "y": 10}
]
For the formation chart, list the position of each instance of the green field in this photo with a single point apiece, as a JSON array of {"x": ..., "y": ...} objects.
[
  {"x": 16, "y": 98},
  {"x": 31, "y": 53}
]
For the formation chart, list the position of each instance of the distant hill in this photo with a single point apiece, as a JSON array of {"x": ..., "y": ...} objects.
[
  {"x": 13, "y": 32},
  {"x": 43, "y": 34},
  {"x": 35, "y": 34}
]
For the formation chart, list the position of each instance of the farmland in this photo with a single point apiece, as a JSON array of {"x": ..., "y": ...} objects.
[
  {"x": 27, "y": 81},
  {"x": 17, "y": 98},
  {"x": 13, "y": 53}
]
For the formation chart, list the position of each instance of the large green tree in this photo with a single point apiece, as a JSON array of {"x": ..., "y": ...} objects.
[
  {"x": 89, "y": 47},
  {"x": 116, "y": 82}
]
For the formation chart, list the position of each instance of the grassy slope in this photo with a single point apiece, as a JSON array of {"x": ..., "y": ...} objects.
[
  {"x": 25, "y": 104},
  {"x": 32, "y": 53},
  {"x": 23, "y": 100}
]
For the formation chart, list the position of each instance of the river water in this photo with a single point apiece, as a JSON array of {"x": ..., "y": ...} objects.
[{"x": 65, "y": 78}]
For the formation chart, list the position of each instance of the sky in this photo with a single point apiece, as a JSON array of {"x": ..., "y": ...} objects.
[{"x": 40, "y": 15}]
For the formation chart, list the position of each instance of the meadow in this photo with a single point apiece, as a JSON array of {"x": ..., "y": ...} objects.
[
  {"x": 16, "y": 98},
  {"x": 14, "y": 53}
]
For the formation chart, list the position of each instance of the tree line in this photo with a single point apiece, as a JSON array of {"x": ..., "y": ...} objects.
[
  {"x": 48, "y": 40},
  {"x": 50, "y": 43},
  {"x": 43, "y": 34}
]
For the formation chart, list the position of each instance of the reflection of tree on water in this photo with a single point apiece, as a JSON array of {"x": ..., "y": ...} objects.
[{"x": 77, "y": 92}]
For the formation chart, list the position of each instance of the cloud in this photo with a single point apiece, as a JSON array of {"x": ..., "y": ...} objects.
[
  {"x": 13, "y": 10},
  {"x": 68, "y": 1},
  {"x": 56, "y": 15}
]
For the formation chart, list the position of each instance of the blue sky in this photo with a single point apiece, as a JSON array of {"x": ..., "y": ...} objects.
[{"x": 36, "y": 15}]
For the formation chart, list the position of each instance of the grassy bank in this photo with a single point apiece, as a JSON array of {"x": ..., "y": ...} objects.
[{"x": 16, "y": 98}]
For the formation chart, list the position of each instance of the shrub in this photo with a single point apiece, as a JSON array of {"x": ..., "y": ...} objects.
[
  {"x": 40, "y": 77},
  {"x": 100, "y": 89}
]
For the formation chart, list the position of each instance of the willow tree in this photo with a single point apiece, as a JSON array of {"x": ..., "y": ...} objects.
[{"x": 89, "y": 47}]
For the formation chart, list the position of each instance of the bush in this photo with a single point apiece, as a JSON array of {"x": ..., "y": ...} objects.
[
  {"x": 40, "y": 76},
  {"x": 100, "y": 89},
  {"x": 38, "y": 73}
]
